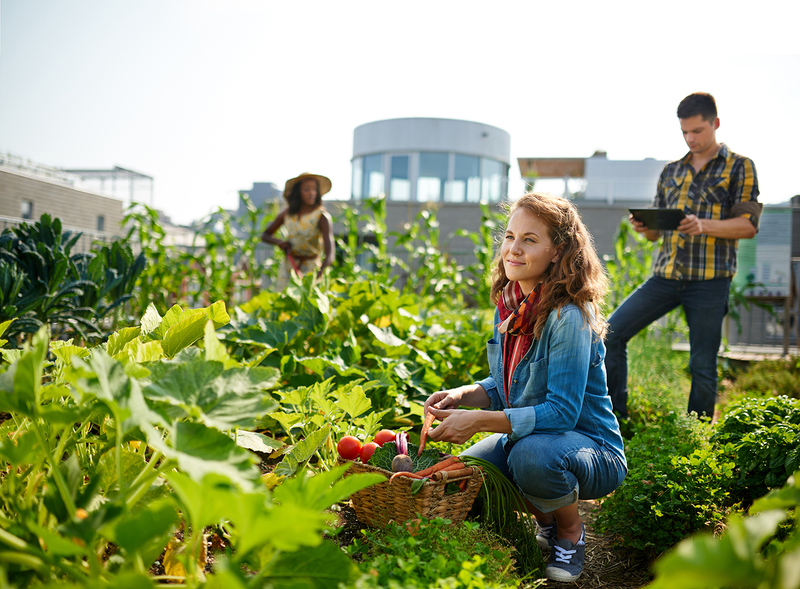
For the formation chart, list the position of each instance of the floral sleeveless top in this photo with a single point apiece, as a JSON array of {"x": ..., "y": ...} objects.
[
  {"x": 304, "y": 234},
  {"x": 306, "y": 239}
]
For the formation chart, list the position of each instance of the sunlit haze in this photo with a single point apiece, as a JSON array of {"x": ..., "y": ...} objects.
[{"x": 209, "y": 97}]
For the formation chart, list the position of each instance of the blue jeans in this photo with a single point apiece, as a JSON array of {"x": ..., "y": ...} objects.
[
  {"x": 704, "y": 302},
  {"x": 554, "y": 470}
]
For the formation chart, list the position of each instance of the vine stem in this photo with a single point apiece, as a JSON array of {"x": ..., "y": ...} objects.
[{"x": 59, "y": 477}]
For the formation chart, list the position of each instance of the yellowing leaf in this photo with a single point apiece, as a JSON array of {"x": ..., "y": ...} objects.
[
  {"x": 173, "y": 567},
  {"x": 174, "y": 556},
  {"x": 271, "y": 480}
]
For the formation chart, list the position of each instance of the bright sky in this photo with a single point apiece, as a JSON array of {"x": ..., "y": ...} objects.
[{"x": 209, "y": 96}]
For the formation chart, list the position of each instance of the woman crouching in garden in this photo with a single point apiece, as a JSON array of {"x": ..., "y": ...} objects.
[{"x": 555, "y": 435}]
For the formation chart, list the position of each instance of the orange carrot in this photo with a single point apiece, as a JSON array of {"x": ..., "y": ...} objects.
[
  {"x": 423, "y": 437},
  {"x": 439, "y": 466},
  {"x": 453, "y": 471},
  {"x": 455, "y": 466},
  {"x": 403, "y": 473}
]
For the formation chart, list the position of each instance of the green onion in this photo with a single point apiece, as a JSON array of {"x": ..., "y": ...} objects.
[{"x": 503, "y": 511}]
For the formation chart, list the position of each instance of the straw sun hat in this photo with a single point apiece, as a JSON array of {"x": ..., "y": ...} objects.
[{"x": 324, "y": 183}]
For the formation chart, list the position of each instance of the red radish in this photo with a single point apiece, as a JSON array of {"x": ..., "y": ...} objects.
[
  {"x": 401, "y": 439},
  {"x": 402, "y": 462}
]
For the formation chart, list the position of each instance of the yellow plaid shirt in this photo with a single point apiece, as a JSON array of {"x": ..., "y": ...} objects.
[{"x": 727, "y": 180}]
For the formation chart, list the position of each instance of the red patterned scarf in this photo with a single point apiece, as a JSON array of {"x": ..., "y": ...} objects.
[{"x": 517, "y": 312}]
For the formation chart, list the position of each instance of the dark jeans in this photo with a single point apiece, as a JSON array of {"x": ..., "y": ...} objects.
[{"x": 704, "y": 302}]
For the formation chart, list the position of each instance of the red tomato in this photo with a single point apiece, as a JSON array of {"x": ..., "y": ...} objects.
[
  {"x": 383, "y": 436},
  {"x": 349, "y": 447},
  {"x": 368, "y": 450}
]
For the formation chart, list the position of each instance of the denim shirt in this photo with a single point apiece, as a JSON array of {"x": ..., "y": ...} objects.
[{"x": 559, "y": 385}]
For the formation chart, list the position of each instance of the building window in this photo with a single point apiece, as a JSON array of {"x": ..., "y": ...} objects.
[
  {"x": 373, "y": 176},
  {"x": 495, "y": 181},
  {"x": 399, "y": 184},
  {"x": 432, "y": 176},
  {"x": 101, "y": 223},
  {"x": 466, "y": 183},
  {"x": 368, "y": 177},
  {"x": 26, "y": 209},
  {"x": 358, "y": 169}
]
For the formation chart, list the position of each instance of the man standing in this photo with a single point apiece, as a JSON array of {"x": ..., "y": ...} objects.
[{"x": 717, "y": 190}]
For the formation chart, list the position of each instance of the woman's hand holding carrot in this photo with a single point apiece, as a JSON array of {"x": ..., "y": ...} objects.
[
  {"x": 457, "y": 426},
  {"x": 444, "y": 399}
]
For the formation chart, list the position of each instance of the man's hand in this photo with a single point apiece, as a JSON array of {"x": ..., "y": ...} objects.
[
  {"x": 691, "y": 225},
  {"x": 639, "y": 227}
]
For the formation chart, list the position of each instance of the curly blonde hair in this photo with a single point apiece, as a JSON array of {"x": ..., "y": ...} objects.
[{"x": 576, "y": 277}]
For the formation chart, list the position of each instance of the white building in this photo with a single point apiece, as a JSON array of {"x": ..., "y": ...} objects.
[
  {"x": 431, "y": 160},
  {"x": 425, "y": 163}
]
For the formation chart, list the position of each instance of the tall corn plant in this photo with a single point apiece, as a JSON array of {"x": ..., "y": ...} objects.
[
  {"x": 629, "y": 268},
  {"x": 429, "y": 270},
  {"x": 631, "y": 264},
  {"x": 168, "y": 270},
  {"x": 486, "y": 240},
  {"x": 350, "y": 246}
]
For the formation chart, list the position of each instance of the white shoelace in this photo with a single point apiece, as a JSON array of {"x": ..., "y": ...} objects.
[{"x": 563, "y": 555}]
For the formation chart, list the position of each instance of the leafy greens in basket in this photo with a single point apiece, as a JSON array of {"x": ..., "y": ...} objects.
[{"x": 383, "y": 456}]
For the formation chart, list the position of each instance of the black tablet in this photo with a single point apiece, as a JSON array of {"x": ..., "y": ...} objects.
[{"x": 660, "y": 219}]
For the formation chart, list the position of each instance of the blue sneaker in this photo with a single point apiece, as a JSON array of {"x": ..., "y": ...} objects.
[
  {"x": 546, "y": 536},
  {"x": 566, "y": 560}
]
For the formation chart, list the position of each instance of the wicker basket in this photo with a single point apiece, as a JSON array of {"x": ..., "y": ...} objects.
[{"x": 380, "y": 504}]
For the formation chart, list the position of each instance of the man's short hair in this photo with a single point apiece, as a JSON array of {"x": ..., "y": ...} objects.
[{"x": 698, "y": 103}]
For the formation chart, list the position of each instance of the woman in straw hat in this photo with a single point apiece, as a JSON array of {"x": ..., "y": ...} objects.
[{"x": 308, "y": 228}]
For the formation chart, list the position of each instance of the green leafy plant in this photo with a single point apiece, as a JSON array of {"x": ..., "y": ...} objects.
[
  {"x": 382, "y": 458},
  {"x": 762, "y": 435},
  {"x": 676, "y": 485},
  {"x": 434, "y": 553},
  {"x": 631, "y": 264},
  {"x": 108, "y": 451},
  {"x": 43, "y": 284},
  {"x": 748, "y": 554},
  {"x": 169, "y": 270}
]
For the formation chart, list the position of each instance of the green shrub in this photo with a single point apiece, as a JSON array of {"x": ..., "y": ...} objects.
[
  {"x": 770, "y": 378},
  {"x": 758, "y": 551},
  {"x": 434, "y": 553},
  {"x": 676, "y": 485},
  {"x": 763, "y": 437}
]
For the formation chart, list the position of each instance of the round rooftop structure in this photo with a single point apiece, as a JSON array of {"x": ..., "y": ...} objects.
[{"x": 431, "y": 160}]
